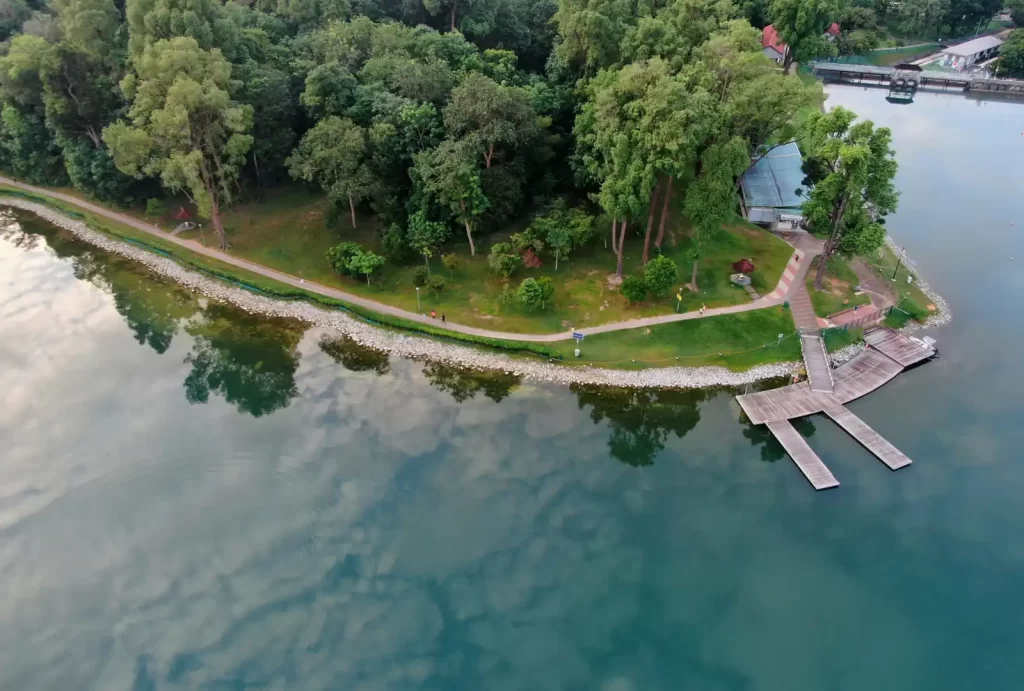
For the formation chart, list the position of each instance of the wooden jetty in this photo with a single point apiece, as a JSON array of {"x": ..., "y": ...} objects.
[
  {"x": 816, "y": 472},
  {"x": 872, "y": 440},
  {"x": 819, "y": 372},
  {"x": 888, "y": 353}
]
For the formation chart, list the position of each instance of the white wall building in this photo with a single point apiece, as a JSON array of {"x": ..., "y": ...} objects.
[{"x": 965, "y": 55}]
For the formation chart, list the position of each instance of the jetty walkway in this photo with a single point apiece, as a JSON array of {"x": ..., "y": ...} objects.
[{"x": 888, "y": 353}]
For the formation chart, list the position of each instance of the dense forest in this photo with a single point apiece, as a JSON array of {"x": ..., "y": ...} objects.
[{"x": 440, "y": 117}]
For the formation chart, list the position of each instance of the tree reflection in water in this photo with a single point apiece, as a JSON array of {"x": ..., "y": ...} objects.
[
  {"x": 640, "y": 419},
  {"x": 355, "y": 356},
  {"x": 249, "y": 360},
  {"x": 464, "y": 383}
]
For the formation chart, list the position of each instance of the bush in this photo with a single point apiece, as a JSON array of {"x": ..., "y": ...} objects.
[
  {"x": 660, "y": 274},
  {"x": 535, "y": 292},
  {"x": 508, "y": 296},
  {"x": 436, "y": 283},
  {"x": 420, "y": 276},
  {"x": 394, "y": 243},
  {"x": 340, "y": 257},
  {"x": 155, "y": 208},
  {"x": 634, "y": 288},
  {"x": 503, "y": 260},
  {"x": 450, "y": 261}
]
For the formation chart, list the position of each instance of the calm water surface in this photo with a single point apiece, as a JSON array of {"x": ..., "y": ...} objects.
[{"x": 192, "y": 498}]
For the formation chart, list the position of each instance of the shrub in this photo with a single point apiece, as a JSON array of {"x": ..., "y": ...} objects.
[
  {"x": 634, "y": 288},
  {"x": 535, "y": 292},
  {"x": 366, "y": 264},
  {"x": 155, "y": 208},
  {"x": 508, "y": 296},
  {"x": 503, "y": 260},
  {"x": 340, "y": 257},
  {"x": 526, "y": 240},
  {"x": 661, "y": 274},
  {"x": 436, "y": 283},
  {"x": 420, "y": 276},
  {"x": 450, "y": 261},
  {"x": 394, "y": 243}
]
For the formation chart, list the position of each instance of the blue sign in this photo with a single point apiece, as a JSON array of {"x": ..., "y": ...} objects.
[{"x": 577, "y": 335}]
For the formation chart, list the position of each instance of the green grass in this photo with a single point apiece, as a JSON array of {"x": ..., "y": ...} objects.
[
  {"x": 269, "y": 286},
  {"x": 912, "y": 301},
  {"x": 836, "y": 292},
  {"x": 837, "y": 339},
  {"x": 738, "y": 337},
  {"x": 888, "y": 58},
  {"x": 286, "y": 232},
  {"x": 736, "y": 341}
]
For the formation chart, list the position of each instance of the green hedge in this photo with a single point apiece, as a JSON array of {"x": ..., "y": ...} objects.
[{"x": 258, "y": 286}]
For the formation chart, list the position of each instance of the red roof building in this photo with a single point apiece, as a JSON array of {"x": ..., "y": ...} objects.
[
  {"x": 773, "y": 46},
  {"x": 770, "y": 40}
]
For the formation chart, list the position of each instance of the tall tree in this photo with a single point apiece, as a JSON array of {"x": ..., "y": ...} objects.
[
  {"x": 490, "y": 113},
  {"x": 591, "y": 31},
  {"x": 711, "y": 198},
  {"x": 1011, "y": 56},
  {"x": 27, "y": 148},
  {"x": 964, "y": 17},
  {"x": 183, "y": 125},
  {"x": 922, "y": 18},
  {"x": 333, "y": 155},
  {"x": 451, "y": 175},
  {"x": 852, "y": 166},
  {"x": 802, "y": 25},
  {"x": 150, "y": 21},
  {"x": 268, "y": 91}
]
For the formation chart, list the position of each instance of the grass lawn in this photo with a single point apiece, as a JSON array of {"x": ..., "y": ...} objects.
[
  {"x": 286, "y": 232},
  {"x": 836, "y": 292},
  {"x": 888, "y": 58},
  {"x": 912, "y": 300},
  {"x": 740, "y": 338},
  {"x": 836, "y": 339}
]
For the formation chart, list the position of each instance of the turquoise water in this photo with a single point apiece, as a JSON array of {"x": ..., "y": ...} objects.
[{"x": 193, "y": 498}]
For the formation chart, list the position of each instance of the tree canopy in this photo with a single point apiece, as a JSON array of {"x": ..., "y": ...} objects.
[
  {"x": 442, "y": 121},
  {"x": 852, "y": 166}
]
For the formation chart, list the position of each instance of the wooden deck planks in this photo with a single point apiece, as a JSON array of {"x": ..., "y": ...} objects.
[
  {"x": 863, "y": 374},
  {"x": 819, "y": 372},
  {"x": 900, "y": 347},
  {"x": 786, "y": 403},
  {"x": 869, "y": 438},
  {"x": 803, "y": 455}
]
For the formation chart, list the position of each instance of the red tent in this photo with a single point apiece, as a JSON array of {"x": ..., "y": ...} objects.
[
  {"x": 743, "y": 266},
  {"x": 181, "y": 214}
]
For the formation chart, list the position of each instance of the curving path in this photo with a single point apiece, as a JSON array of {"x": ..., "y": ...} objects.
[{"x": 791, "y": 280}]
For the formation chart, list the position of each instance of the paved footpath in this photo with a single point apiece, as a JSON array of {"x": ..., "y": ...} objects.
[{"x": 791, "y": 281}]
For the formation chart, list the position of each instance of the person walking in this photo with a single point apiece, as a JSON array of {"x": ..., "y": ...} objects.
[
  {"x": 442, "y": 318},
  {"x": 433, "y": 314}
]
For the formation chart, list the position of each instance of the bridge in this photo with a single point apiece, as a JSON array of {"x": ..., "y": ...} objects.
[
  {"x": 904, "y": 80},
  {"x": 887, "y": 354}
]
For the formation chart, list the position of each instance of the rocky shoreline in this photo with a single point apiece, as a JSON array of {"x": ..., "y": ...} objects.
[{"x": 418, "y": 347}]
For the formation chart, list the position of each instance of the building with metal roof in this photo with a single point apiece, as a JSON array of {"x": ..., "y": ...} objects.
[
  {"x": 773, "y": 186},
  {"x": 964, "y": 55}
]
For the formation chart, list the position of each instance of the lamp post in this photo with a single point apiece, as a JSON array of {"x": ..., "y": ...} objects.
[
  {"x": 418, "y": 309},
  {"x": 899, "y": 258}
]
